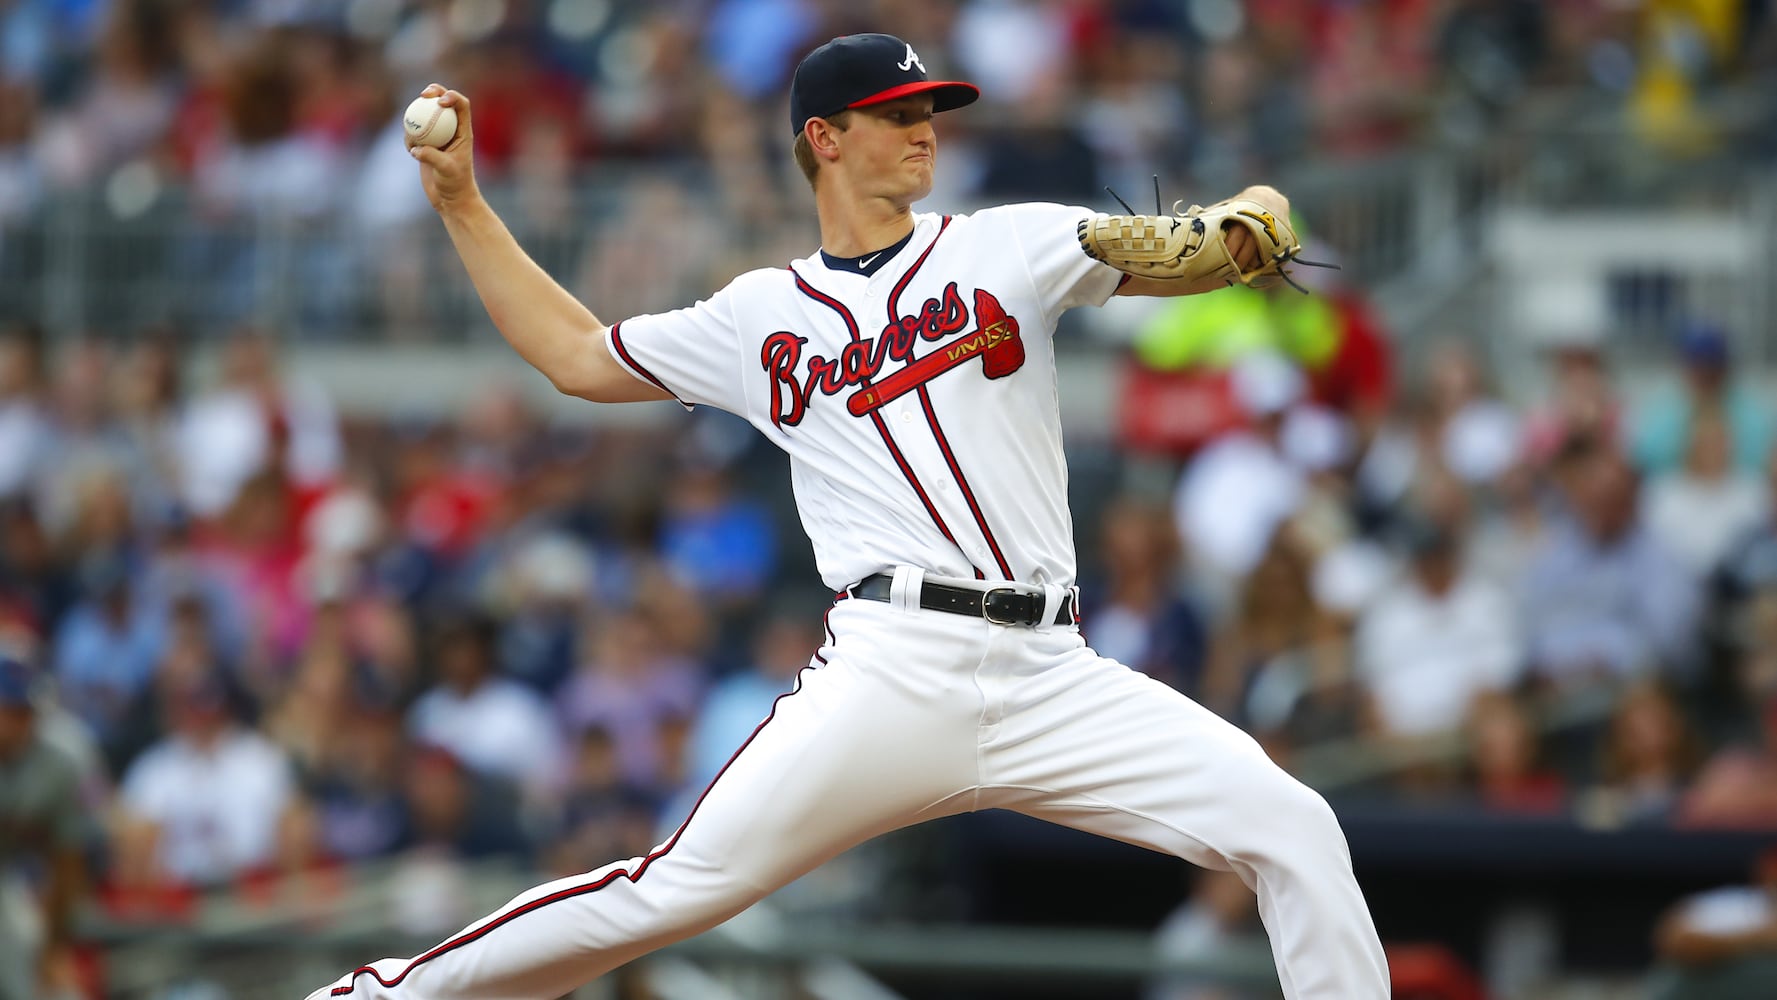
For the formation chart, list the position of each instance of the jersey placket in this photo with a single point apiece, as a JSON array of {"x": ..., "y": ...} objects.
[{"x": 955, "y": 472}]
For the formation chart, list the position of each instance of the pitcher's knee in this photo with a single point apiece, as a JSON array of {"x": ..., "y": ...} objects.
[{"x": 1297, "y": 814}]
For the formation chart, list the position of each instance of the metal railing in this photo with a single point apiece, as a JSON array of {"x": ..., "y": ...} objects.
[
  {"x": 628, "y": 239},
  {"x": 246, "y": 951}
]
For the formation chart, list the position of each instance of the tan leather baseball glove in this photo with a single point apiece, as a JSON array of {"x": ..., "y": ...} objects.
[{"x": 1192, "y": 245}]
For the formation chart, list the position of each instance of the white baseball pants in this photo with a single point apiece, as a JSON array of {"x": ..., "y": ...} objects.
[{"x": 907, "y": 715}]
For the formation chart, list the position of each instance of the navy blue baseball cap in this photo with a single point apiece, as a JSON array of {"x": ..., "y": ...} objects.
[
  {"x": 856, "y": 71},
  {"x": 1704, "y": 346}
]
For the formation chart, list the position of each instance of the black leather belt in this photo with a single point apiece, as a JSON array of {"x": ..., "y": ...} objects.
[{"x": 1001, "y": 605}]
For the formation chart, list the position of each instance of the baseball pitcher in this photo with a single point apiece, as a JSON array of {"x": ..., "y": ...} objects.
[{"x": 907, "y": 369}]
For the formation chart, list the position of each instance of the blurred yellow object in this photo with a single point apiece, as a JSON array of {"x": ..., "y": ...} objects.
[
  {"x": 1214, "y": 331},
  {"x": 1664, "y": 113},
  {"x": 1716, "y": 22},
  {"x": 1685, "y": 45}
]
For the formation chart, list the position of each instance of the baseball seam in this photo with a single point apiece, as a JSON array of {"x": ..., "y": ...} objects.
[{"x": 431, "y": 123}]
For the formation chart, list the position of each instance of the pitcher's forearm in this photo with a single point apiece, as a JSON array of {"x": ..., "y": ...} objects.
[{"x": 542, "y": 321}]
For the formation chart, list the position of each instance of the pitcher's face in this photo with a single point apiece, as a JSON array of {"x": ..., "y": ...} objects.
[{"x": 891, "y": 149}]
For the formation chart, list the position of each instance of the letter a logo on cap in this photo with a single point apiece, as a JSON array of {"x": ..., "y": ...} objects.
[{"x": 911, "y": 61}]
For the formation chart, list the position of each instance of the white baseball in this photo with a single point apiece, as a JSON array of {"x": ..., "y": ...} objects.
[{"x": 429, "y": 123}]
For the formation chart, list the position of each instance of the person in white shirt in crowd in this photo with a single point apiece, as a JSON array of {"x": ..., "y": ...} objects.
[
  {"x": 203, "y": 804},
  {"x": 1437, "y": 638},
  {"x": 257, "y": 416},
  {"x": 1722, "y": 944},
  {"x": 495, "y": 725},
  {"x": 1707, "y": 506},
  {"x": 1236, "y": 492}
]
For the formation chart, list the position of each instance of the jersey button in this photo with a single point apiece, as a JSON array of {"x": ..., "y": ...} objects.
[{"x": 907, "y": 416}]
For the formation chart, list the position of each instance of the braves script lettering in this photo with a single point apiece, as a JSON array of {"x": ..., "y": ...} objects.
[{"x": 794, "y": 382}]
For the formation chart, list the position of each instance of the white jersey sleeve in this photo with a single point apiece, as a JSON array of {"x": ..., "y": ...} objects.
[
  {"x": 1064, "y": 277},
  {"x": 693, "y": 353}
]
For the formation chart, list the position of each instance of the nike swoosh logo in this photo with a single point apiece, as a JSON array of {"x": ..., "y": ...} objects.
[{"x": 864, "y": 262}]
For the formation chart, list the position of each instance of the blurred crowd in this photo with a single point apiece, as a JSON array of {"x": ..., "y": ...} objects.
[
  {"x": 244, "y": 635},
  {"x": 1578, "y": 587},
  {"x": 242, "y": 96},
  {"x": 272, "y": 639},
  {"x": 221, "y": 121}
]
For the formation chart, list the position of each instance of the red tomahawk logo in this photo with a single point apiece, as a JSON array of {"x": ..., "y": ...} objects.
[{"x": 995, "y": 341}]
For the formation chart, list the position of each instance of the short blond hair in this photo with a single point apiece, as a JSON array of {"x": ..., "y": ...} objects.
[{"x": 804, "y": 153}]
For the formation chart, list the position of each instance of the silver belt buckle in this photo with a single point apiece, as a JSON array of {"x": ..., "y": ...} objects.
[{"x": 987, "y": 610}]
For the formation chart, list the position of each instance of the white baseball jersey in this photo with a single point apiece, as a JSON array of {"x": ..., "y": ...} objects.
[{"x": 897, "y": 394}]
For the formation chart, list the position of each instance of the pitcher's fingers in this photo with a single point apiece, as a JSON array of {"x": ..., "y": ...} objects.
[
  {"x": 1240, "y": 246},
  {"x": 433, "y": 90}
]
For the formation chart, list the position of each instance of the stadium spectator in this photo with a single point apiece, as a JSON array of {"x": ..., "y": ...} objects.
[
  {"x": 738, "y": 702},
  {"x": 91, "y": 456},
  {"x": 454, "y": 810},
  {"x": 629, "y": 688},
  {"x": 603, "y": 815},
  {"x": 1510, "y": 529},
  {"x": 1722, "y": 943},
  {"x": 24, "y": 417},
  {"x": 203, "y": 805},
  {"x": 440, "y": 504},
  {"x": 355, "y": 788},
  {"x": 148, "y": 401},
  {"x": 1271, "y": 623},
  {"x": 1471, "y": 431},
  {"x": 1737, "y": 787},
  {"x": 1602, "y": 599},
  {"x": 1234, "y": 495},
  {"x": 1650, "y": 753},
  {"x": 1136, "y": 615},
  {"x": 21, "y": 176},
  {"x": 36, "y": 588},
  {"x": 716, "y": 543},
  {"x": 1702, "y": 510},
  {"x": 254, "y": 550},
  {"x": 1369, "y": 72},
  {"x": 1749, "y": 567},
  {"x": 545, "y": 587},
  {"x": 107, "y": 646},
  {"x": 1506, "y": 760},
  {"x": 491, "y": 724},
  {"x": 1437, "y": 639},
  {"x": 255, "y": 419},
  {"x": 43, "y": 827},
  {"x": 1708, "y": 387},
  {"x": 127, "y": 102},
  {"x": 189, "y": 652},
  {"x": 1579, "y": 409},
  {"x": 1220, "y": 917},
  {"x": 1041, "y": 154},
  {"x": 304, "y": 719}
]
